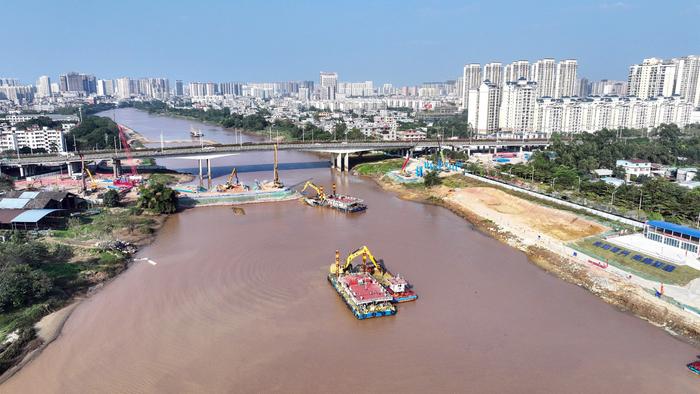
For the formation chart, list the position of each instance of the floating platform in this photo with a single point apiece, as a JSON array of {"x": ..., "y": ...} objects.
[
  {"x": 190, "y": 200},
  {"x": 363, "y": 295},
  {"x": 343, "y": 203}
]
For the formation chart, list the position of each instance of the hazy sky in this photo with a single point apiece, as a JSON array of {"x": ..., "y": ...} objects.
[{"x": 402, "y": 41}]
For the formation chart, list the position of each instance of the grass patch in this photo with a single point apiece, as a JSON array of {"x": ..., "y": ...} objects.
[
  {"x": 164, "y": 179},
  {"x": 104, "y": 225},
  {"x": 21, "y": 318},
  {"x": 380, "y": 167},
  {"x": 457, "y": 181},
  {"x": 681, "y": 276}
]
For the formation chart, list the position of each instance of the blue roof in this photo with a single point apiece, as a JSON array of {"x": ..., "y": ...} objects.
[
  {"x": 675, "y": 227},
  {"x": 33, "y": 215},
  {"x": 13, "y": 203},
  {"x": 28, "y": 195}
]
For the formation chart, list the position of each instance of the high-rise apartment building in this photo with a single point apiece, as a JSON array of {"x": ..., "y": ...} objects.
[
  {"x": 654, "y": 77},
  {"x": 493, "y": 72},
  {"x": 688, "y": 79},
  {"x": 328, "y": 85},
  {"x": 43, "y": 86},
  {"x": 517, "y": 109},
  {"x": 123, "y": 88},
  {"x": 471, "y": 79},
  {"x": 179, "y": 88},
  {"x": 566, "y": 78},
  {"x": 606, "y": 87},
  {"x": 483, "y": 106},
  {"x": 516, "y": 70},
  {"x": 544, "y": 72},
  {"x": 78, "y": 83}
]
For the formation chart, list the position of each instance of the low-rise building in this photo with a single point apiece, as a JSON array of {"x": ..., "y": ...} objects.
[
  {"x": 673, "y": 235},
  {"x": 634, "y": 167},
  {"x": 51, "y": 140}
]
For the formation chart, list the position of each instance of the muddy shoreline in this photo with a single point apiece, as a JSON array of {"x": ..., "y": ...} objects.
[
  {"x": 50, "y": 326},
  {"x": 614, "y": 290}
]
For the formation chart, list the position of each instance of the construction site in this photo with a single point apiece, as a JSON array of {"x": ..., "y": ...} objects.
[{"x": 368, "y": 290}]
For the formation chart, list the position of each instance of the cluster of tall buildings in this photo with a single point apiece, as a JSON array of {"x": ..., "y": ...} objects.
[
  {"x": 553, "y": 79},
  {"x": 547, "y": 96}
]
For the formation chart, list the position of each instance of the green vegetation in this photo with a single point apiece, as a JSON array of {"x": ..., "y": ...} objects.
[
  {"x": 164, "y": 179},
  {"x": 105, "y": 225},
  {"x": 457, "y": 181},
  {"x": 6, "y": 183},
  {"x": 94, "y": 132},
  {"x": 87, "y": 109},
  {"x": 453, "y": 126},
  {"x": 157, "y": 198},
  {"x": 681, "y": 276},
  {"x": 41, "y": 121},
  {"x": 566, "y": 168},
  {"x": 111, "y": 198},
  {"x": 38, "y": 276},
  {"x": 432, "y": 178},
  {"x": 379, "y": 168}
]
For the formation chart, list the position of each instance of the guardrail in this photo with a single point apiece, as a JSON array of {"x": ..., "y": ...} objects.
[{"x": 264, "y": 146}]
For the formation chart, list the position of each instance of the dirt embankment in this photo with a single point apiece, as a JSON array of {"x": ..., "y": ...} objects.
[{"x": 481, "y": 205}]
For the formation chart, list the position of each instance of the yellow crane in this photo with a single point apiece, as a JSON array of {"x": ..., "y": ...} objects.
[
  {"x": 276, "y": 180},
  {"x": 229, "y": 182},
  {"x": 318, "y": 189},
  {"x": 93, "y": 184},
  {"x": 365, "y": 253}
]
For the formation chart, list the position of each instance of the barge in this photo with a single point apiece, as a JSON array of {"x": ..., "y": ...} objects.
[
  {"x": 363, "y": 295},
  {"x": 340, "y": 202},
  {"x": 368, "y": 290}
]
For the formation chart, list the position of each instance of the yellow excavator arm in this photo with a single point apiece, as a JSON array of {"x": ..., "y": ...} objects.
[
  {"x": 359, "y": 252},
  {"x": 93, "y": 184},
  {"x": 234, "y": 173},
  {"x": 319, "y": 190}
]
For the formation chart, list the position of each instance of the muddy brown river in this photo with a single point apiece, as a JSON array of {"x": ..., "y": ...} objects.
[{"x": 240, "y": 303}]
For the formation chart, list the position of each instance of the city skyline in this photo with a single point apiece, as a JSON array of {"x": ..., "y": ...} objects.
[{"x": 407, "y": 46}]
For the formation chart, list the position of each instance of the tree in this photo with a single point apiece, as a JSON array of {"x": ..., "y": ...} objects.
[
  {"x": 111, "y": 198},
  {"x": 20, "y": 286},
  {"x": 431, "y": 178},
  {"x": 6, "y": 183},
  {"x": 157, "y": 198}
]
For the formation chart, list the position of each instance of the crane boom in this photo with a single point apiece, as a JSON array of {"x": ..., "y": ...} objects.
[
  {"x": 364, "y": 250},
  {"x": 127, "y": 148},
  {"x": 319, "y": 190}
]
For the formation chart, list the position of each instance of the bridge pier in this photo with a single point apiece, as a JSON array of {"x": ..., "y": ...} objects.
[
  {"x": 116, "y": 168},
  {"x": 347, "y": 162},
  {"x": 339, "y": 162},
  {"x": 201, "y": 180},
  {"x": 208, "y": 174}
]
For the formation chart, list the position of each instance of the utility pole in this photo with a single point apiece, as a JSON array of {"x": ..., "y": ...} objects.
[{"x": 639, "y": 209}]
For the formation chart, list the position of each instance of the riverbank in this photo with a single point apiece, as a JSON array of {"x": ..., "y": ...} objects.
[
  {"x": 90, "y": 252},
  {"x": 543, "y": 242}
]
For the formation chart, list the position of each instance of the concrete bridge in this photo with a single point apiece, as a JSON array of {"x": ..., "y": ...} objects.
[{"x": 339, "y": 150}]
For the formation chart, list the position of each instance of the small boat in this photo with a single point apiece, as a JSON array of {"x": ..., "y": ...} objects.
[
  {"x": 196, "y": 132},
  {"x": 694, "y": 367}
]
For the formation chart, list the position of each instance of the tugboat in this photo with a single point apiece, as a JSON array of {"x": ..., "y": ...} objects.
[{"x": 694, "y": 367}]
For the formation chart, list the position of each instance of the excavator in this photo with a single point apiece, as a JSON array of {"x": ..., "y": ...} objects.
[
  {"x": 321, "y": 195},
  {"x": 230, "y": 185},
  {"x": 365, "y": 253},
  {"x": 93, "y": 184}
]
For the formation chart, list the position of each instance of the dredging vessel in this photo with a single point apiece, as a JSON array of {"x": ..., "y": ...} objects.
[
  {"x": 368, "y": 290},
  {"x": 341, "y": 202},
  {"x": 235, "y": 192}
]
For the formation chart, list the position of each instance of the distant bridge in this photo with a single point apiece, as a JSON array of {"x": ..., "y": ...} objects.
[{"x": 206, "y": 152}]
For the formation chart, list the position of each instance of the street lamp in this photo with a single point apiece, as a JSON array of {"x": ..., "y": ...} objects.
[
  {"x": 612, "y": 199},
  {"x": 553, "y": 180},
  {"x": 639, "y": 209}
]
